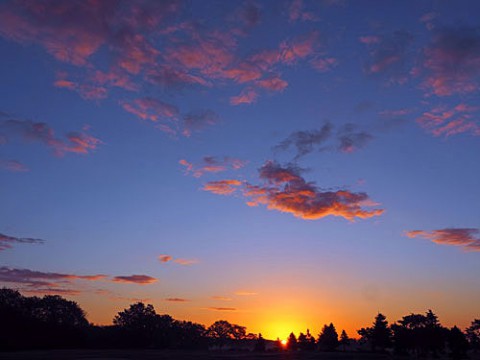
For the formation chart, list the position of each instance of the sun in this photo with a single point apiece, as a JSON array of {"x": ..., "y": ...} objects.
[{"x": 283, "y": 342}]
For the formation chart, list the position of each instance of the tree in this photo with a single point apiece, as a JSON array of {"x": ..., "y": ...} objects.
[
  {"x": 260, "y": 344},
  {"x": 328, "y": 338},
  {"x": 221, "y": 331},
  {"x": 344, "y": 340},
  {"x": 292, "y": 342},
  {"x": 138, "y": 323},
  {"x": 379, "y": 336},
  {"x": 458, "y": 343},
  {"x": 473, "y": 334}
]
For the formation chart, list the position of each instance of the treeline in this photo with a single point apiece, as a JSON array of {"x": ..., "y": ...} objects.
[{"x": 54, "y": 322}]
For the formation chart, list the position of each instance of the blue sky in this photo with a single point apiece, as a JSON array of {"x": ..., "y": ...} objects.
[{"x": 279, "y": 164}]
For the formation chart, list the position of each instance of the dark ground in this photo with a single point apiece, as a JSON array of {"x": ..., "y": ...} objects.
[
  {"x": 187, "y": 355},
  {"x": 179, "y": 355}
]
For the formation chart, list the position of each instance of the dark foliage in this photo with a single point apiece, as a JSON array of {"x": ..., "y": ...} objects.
[{"x": 328, "y": 338}]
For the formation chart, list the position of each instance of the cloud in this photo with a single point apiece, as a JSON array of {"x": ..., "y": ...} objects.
[
  {"x": 347, "y": 139},
  {"x": 296, "y": 12},
  {"x": 221, "y": 308},
  {"x": 389, "y": 55},
  {"x": 211, "y": 164},
  {"x": 324, "y": 64},
  {"x": 151, "y": 109},
  {"x": 222, "y": 187},
  {"x": 176, "y": 300},
  {"x": 245, "y": 293},
  {"x": 52, "y": 291},
  {"x": 197, "y": 121},
  {"x": 247, "y": 96},
  {"x": 135, "y": 279},
  {"x": 221, "y": 298},
  {"x": 13, "y": 166},
  {"x": 165, "y": 258},
  {"x": 444, "y": 121},
  {"x": 452, "y": 61},
  {"x": 37, "y": 279},
  {"x": 185, "y": 262},
  {"x": 6, "y": 241},
  {"x": 180, "y": 261},
  {"x": 75, "y": 142},
  {"x": 306, "y": 141},
  {"x": 467, "y": 238},
  {"x": 351, "y": 139},
  {"x": 273, "y": 84},
  {"x": 285, "y": 190}
]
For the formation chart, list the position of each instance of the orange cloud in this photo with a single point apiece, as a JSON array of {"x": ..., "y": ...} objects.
[
  {"x": 245, "y": 293},
  {"x": 467, "y": 238},
  {"x": 185, "y": 262},
  {"x": 285, "y": 190},
  {"x": 165, "y": 258},
  {"x": 135, "y": 279},
  {"x": 221, "y": 298},
  {"x": 222, "y": 187}
]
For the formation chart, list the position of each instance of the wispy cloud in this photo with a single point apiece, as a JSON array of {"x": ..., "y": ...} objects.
[
  {"x": 247, "y": 96},
  {"x": 297, "y": 12},
  {"x": 180, "y": 261},
  {"x": 7, "y": 241},
  {"x": 211, "y": 164},
  {"x": 135, "y": 279},
  {"x": 176, "y": 300},
  {"x": 75, "y": 142},
  {"x": 389, "y": 55},
  {"x": 13, "y": 166},
  {"x": 221, "y": 298},
  {"x": 452, "y": 61},
  {"x": 444, "y": 121},
  {"x": 197, "y": 121},
  {"x": 348, "y": 138},
  {"x": 37, "y": 279},
  {"x": 466, "y": 238},
  {"x": 221, "y": 308},
  {"x": 222, "y": 187},
  {"x": 245, "y": 293},
  {"x": 306, "y": 141}
]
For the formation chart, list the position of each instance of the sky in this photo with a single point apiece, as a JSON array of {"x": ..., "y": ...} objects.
[{"x": 276, "y": 164}]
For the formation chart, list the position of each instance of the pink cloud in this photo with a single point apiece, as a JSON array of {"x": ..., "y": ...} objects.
[
  {"x": 151, "y": 109},
  {"x": 76, "y": 142},
  {"x": 273, "y": 84},
  {"x": 298, "y": 48},
  {"x": 247, "y": 96},
  {"x": 452, "y": 61},
  {"x": 370, "y": 39},
  {"x": 467, "y": 238},
  {"x": 211, "y": 164},
  {"x": 443, "y": 121},
  {"x": 135, "y": 279},
  {"x": 324, "y": 65},
  {"x": 296, "y": 12}
]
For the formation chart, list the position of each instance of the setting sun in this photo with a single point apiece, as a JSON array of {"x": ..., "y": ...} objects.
[{"x": 283, "y": 342}]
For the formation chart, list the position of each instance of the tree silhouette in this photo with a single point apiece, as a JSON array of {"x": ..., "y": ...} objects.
[
  {"x": 379, "y": 336},
  {"x": 260, "y": 344},
  {"x": 473, "y": 335},
  {"x": 458, "y": 343},
  {"x": 221, "y": 331},
  {"x": 292, "y": 344},
  {"x": 328, "y": 338},
  {"x": 344, "y": 340}
]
